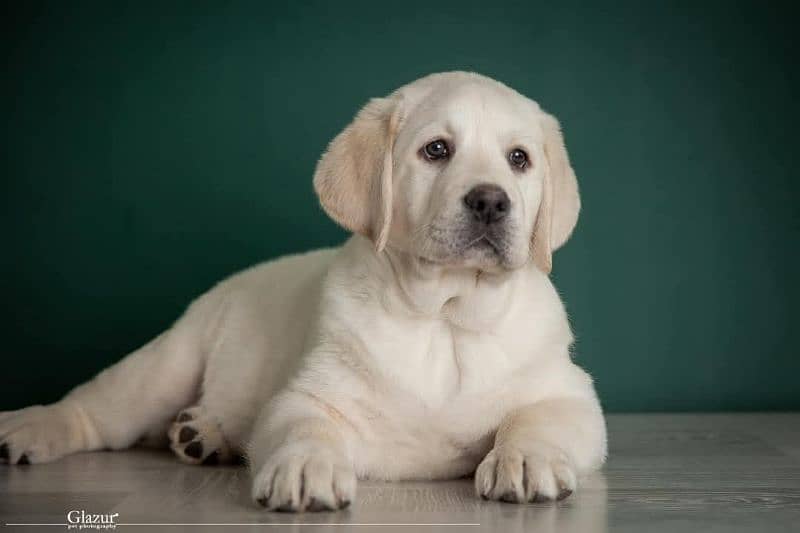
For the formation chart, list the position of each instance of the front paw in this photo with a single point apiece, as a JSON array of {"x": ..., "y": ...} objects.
[
  {"x": 535, "y": 473},
  {"x": 301, "y": 478}
]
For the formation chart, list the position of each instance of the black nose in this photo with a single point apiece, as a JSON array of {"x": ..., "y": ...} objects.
[{"x": 487, "y": 203}]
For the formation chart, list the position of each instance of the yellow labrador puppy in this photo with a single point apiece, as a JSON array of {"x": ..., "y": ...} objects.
[{"x": 431, "y": 344}]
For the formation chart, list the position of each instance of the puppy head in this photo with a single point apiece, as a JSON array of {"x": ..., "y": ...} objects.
[{"x": 456, "y": 169}]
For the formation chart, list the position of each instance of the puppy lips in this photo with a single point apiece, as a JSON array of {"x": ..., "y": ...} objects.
[
  {"x": 483, "y": 244},
  {"x": 492, "y": 246},
  {"x": 480, "y": 236},
  {"x": 465, "y": 240}
]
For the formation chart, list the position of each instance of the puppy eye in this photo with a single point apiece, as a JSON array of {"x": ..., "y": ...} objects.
[
  {"x": 518, "y": 158},
  {"x": 436, "y": 150}
]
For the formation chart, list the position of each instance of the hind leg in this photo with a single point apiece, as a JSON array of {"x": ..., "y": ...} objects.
[
  {"x": 123, "y": 403},
  {"x": 240, "y": 374},
  {"x": 215, "y": 430}
]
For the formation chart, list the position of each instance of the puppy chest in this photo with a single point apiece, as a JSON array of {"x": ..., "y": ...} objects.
[
  {"x": 439, "y": 365},
  {"x": 439, "y": 404}
]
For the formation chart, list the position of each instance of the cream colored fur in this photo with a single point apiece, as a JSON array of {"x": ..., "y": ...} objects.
[{"x": 403, "y": 354}]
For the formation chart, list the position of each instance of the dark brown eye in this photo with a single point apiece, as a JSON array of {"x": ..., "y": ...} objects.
[
  {"x": 518, "y": 158},
  {"x": 436, "y": 150}
]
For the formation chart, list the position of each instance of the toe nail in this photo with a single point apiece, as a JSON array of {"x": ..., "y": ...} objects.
[
  {"x": 540, "y": 498},
  {"x": 187, "y": 433},
  {"x": 564, "y": 493},
  {"x": 262, "y": 501},
  {"x": 23, "y": 460},
  {"x": 285, "y": 507},
  {"x": 315, "y": 505},
  {"x": 212, "y": 459},
  {"x": 509, "y": 497},
  {"x": 195, "y": 449},
  {"x": 344, "y": 504}
]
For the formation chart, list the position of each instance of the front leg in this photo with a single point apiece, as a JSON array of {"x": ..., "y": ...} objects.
[
  {"x": 299, "y": 457},
  {"x": 541, "y": 449}
]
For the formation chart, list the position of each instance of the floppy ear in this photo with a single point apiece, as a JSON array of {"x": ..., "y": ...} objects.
[
  {"x": 353, "y": 179},
  {"x": 560, "y": 203}
]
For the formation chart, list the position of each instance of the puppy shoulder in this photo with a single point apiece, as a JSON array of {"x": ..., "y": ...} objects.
[
  {"x": 355, "y": 275},
  {"x": 539, "y": 308}
]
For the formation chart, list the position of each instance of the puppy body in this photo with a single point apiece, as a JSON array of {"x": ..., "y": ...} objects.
[
  {"x": 416, "y": 350},
  {"x": 419, "y": 367}
]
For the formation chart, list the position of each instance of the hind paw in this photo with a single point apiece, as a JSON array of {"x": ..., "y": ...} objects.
[
  {"x": 39, "y": 434},
  {"x": 196, "y": 438}
]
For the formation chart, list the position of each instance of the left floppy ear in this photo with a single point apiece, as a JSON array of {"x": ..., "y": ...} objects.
[
  {"x": 560, "y": 203},
  {"x": 353, "y": 179}
]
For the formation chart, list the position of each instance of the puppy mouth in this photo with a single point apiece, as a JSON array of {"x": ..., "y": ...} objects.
[
  {"x": 467, "y": 244},
  {"x": 484, "y": 242},
  {"x": 468, "y": 247}
]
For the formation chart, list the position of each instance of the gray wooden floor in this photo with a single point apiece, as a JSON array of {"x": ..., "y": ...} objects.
[{"x": 682, "y": 473}]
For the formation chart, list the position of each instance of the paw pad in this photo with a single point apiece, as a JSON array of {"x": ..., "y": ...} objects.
[
  {"x": 197, "y": 439},
  {"x": 187, "y": 434},
  {"x": 194, "y": 449}
]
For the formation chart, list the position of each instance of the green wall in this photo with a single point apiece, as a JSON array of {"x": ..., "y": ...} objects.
[{"x": 150, "y": 149}]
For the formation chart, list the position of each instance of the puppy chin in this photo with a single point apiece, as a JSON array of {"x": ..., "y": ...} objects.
[{"x": 481, "y": 257}]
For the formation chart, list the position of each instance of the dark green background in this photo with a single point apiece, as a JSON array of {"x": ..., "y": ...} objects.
[{"x": 150, "y": 149}]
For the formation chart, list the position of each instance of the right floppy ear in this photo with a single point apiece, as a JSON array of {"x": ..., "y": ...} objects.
[{"x": 353, "y": 179}]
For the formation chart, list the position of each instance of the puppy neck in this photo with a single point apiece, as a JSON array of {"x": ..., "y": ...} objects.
[{"x": 469, "y": 298}]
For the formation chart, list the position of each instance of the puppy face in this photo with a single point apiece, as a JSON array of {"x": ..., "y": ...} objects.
[
  {"x": 457, "y": 170},
  {"x": 468, "y": 175}
]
